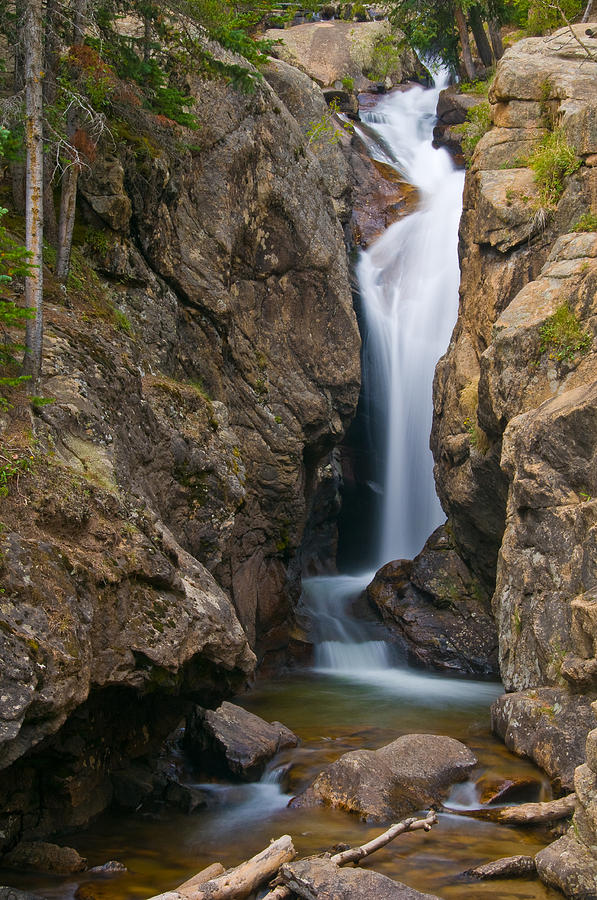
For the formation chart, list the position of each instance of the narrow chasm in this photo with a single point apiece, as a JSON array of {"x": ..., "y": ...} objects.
[{"x": 297, "y": 516}]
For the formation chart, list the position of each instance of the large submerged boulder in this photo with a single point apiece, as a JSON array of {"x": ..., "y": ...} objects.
[
  {"x": 413, "y": 772},
  {"x": 321, "y": 879},
  {"x": 437, "y": 609},
  {"x": 233, "y": 740}
]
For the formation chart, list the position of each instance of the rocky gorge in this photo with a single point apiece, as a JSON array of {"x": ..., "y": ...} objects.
[{"x": 152, "y": 549}]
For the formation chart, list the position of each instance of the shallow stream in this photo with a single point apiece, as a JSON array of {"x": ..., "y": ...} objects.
[{"x": 331, "y": 714}]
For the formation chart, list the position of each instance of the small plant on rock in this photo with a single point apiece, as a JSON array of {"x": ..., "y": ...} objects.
[
  {"x": 563, "y": 335},
  {"x": 478, "y": 122},
  {"x": 587, "y": 222},
  {"x": 552, "y": 162}
]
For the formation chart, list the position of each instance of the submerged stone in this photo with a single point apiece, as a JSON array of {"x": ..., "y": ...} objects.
[
  {"x": 321, "y": 879},
  {"x": 413, "y": 772},
  {"x": 232, "y": 739}
]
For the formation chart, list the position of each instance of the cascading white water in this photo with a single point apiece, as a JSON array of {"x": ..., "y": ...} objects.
[{"x": 409, "y": 288}]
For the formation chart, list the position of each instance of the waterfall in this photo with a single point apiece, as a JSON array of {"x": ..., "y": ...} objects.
[{"x": 409, "y": 289}]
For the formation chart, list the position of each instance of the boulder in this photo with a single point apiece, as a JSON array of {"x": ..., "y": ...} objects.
[
  {"x": 548, "y": 726},
  {"x": 331, "y": 51},
  {"x": 231, "y": 739},
  {"x": 569, "y": 866},
  {"x": 112, "y": 867},
  {"x": 321, "y": 879},
  {"x": 39, "y": 856},
  {"x": 438, "y": 610},
  {"x": 411, "y": 773},
  {"x": 509, "y": 790}
]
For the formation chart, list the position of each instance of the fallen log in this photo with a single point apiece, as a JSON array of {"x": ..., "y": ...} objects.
[
  {"x": 507, "y": 867},
  {"x": 523, "y": 813},
  {"x": 538, "y": 813},
  {"x": 241, "y": 881},
  {"x": 187, "y": 887},
  {"x": 355, "y": 854}
]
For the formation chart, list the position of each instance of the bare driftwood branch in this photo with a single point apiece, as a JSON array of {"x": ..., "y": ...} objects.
[
  {"x": 355, "y": 854},
  {"x": 241, "y": 881}
]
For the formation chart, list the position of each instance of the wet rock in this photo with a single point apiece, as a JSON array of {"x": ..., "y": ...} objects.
[
  {"x": 232, "y": 739},
  {"x": 548, "y": 726},
  {"x": 509, "y": 790},
  {"x": 186, "y": 798},
  {"x": 39, "y": 856},
  {"x": 307, "y": 103},
  {"x": 178, "y": 513},
  {"x": 452, "y": 107},
  {"x": 112, "y": 867},
  {"x": 9, "y": 893},
  {"x": 438, "y": 609},
  {"x": 504, "y": 246},
  {"x": 570, "y": 866},
  {"x": 413, "y": 772},
  {"x": 508, "y": 867},
  {"x": 320, "y": 879}
]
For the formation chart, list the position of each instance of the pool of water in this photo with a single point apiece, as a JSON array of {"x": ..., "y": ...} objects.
[{"x": 331, "y": 713}]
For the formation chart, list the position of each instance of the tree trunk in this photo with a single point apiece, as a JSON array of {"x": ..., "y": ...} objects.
[
  {"x": 146, "y": 38},
  {"x": 68, "y": 206},
  {"x": 480, "y": 37},
  {"x": 588, "y": 11},
  {"x": 79, "y": 21},
  {"x": 17, "y": 169},
  {"x": 467, "y": 57},
  {"x": 495, "y": 36},
  {"x": 51, "y": 59},
  {"x": 34, "y": 211},
  {"x": 68, "y": 195}
]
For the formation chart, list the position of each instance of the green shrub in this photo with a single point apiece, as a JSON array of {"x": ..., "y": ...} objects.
[
  {"x": 552, "y": 162},
  {"x": 478, "y": 122},
  {"x": 587, "y": 222},
  {"x": 563, "y": 335},
  {"x": 385, "y": 58},
  {"x": 348, "y": 84}
]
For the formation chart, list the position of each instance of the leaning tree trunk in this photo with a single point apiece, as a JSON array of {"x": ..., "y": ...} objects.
[
  {"x": 68, "y": 196},
  {"x": 495, "y": 36},
  {"x": 467, "y": 57},
  {"x": 79, "y": 21},
  {"x": 588, "y": 11},
  {"x": 480, "y": 37},
  {"x": 66, "y": 224},
  {"x": 17, "y": 168},
  {"x": 34, "y": 212}
]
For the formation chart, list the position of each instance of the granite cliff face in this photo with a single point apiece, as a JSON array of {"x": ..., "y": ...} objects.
[
  {"x": 197, "y": 384},
  {"x": 514, "y": 474},
  {"x": 515, "y": 427}
]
